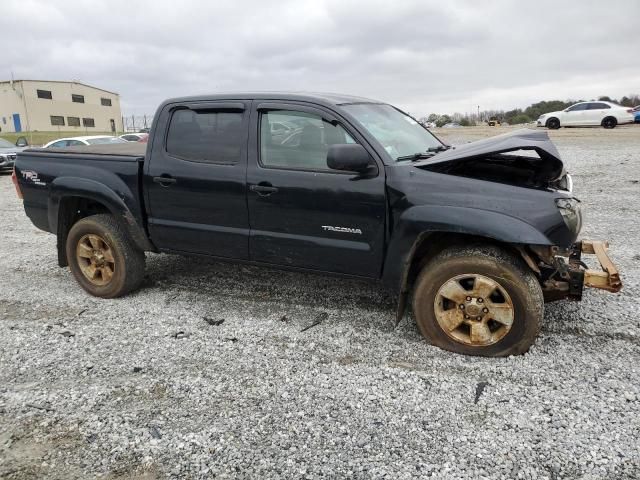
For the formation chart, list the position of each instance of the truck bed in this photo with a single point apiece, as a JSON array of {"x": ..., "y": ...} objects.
[{"x": 129, "y": 149}]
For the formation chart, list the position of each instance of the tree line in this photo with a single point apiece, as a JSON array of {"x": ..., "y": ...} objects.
[{"x": 519, "y": 115}]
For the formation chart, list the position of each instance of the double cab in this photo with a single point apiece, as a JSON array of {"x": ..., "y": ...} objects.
[{"x": 476, "y": 237}]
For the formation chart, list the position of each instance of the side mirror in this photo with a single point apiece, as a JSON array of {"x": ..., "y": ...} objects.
[
  {"x": 22, "y": 142},
  {"x": 349, "y": 157}
]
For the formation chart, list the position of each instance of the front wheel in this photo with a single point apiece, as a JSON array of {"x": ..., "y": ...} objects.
[
  {"x": 553, "y": 124},
  {"x": 103, "y": 258},
  {"x": 478, "y": 300}
]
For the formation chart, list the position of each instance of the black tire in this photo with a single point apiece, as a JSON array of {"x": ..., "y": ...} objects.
[
  {"x": 609, "y": 122},
  {"x": 128, "y": 261},
  {"x": 504, "y": 268},
  {"x": 553, "y": 123}
]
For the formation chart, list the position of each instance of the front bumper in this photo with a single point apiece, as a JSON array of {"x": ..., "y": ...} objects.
[
  {"x": 608, "y": 277},
  {"x": 565, "y": 274}
]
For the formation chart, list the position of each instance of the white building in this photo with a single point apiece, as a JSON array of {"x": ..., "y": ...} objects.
[{"x": 48, "y": 105}]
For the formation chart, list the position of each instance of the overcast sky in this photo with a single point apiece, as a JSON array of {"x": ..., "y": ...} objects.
[{"x": 425, "y": 56}]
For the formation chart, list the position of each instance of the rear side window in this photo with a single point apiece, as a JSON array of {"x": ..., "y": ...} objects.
[
  {"x": 208, "y": 136},
  {"x": 598, "y": 106}
]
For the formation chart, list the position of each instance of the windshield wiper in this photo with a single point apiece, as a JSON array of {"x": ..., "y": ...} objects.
[{"x": 431, "y": 151}]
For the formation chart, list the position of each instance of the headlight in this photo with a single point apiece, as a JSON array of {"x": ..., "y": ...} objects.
[
  {"x": 541, "y": 117},
  {"x": 569, "y": 208},
  {"x": 3, "y": 158}
]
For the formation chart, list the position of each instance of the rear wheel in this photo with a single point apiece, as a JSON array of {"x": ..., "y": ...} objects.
[
  {"x": 553, "y": 123},
  {"x": 102, "y": 257},
  {"x": 478, "y": 300},
  {"x": 609, "y": 122}
]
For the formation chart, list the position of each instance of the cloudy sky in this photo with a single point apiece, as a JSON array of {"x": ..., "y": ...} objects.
[{"x": 425, "y": 56}]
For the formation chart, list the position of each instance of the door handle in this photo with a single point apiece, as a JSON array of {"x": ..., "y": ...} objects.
[
  {"x": 263, "y": 189},
  {"x": 163, "y": 180}
]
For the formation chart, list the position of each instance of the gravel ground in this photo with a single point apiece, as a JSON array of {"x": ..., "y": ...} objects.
[{"x": 211, "y": 369}]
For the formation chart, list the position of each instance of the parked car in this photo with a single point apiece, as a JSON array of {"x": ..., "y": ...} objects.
[
  {"x": 135, "y": 137},
  {"x": 86, "y": 140},
  {"x": 8, "y": 152},
  {"x": 480, "y": 234},
  {"x": 636, "y": 114},
  {"x": 493, "y": 122},
  {"x": 587, "y": 114}
]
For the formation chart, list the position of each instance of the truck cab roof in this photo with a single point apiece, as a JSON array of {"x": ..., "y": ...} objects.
[{"x": 328, "y": 99}]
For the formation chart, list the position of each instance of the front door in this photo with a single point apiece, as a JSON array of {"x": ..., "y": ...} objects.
[
  {"x": 195, "y": 179},
  {"x": 303, "y": 214},
  {"x": 112, "y": 122}
]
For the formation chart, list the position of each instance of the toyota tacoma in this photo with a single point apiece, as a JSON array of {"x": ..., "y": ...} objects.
[{"x": 477, "y": 237}]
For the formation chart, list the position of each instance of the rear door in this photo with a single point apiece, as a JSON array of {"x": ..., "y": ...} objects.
[
  {"x": 597, "y": 111},
  {"x": 302, "y": 213},
  {"x": 195, "y": 179}
]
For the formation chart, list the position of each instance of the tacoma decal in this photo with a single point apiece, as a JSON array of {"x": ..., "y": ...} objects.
[{"x": 342, "y": 229}]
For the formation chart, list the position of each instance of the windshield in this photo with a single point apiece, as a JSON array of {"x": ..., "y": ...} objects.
[
  {"x": 98, "y": 141},
  {"x": 5, "y": 144},
  {"x": 399, "y": 134}
]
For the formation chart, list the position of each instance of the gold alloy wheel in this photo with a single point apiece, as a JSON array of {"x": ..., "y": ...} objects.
[
  {"x": 474, "y": 310},
  {"x": 95, "y": 259}
]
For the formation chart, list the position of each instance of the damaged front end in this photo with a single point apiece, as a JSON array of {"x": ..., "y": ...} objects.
[
  {"x": 564, "y": 274},
  {"x": 525, "y": 158}
]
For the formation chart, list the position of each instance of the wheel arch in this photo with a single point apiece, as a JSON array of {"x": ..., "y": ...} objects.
[
  {"x": 414, "y": 243},
  {"x": 72, "y": 199}
]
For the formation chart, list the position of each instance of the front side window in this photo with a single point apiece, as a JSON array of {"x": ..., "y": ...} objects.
[
  {"x": 397, "y": 132},
  {"x": 578, "y": 107},
  {"x": 77, "y": 98},
  {"x": 88, "y": 122},
  {"x": 57, "y": 120},
  {"x": 73, "y": 121},
  {"x": 59, "y": 144},
  {"x": 46, "y": 94},
  {"x": 298, "y": 140},
  {"x": 210, "y": 136}
]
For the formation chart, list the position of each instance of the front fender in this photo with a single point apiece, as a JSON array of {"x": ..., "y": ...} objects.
[
  {"x": 417, "y": 222},
  {"x": 89, "y": 189}
]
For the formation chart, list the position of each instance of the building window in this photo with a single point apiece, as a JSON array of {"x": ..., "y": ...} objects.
[
  {"x": 73, "y": 121},
  {"x": 77, "y": 98},
  {"x": 44, "y": 94},
  {"x": 57, "y": 121},
  {"x": 106, "y": 102},
  {"x": 88, "y": 122}
]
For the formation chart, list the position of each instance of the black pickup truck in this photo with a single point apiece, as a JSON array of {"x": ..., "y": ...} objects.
[{"x": 478, "y": 235}]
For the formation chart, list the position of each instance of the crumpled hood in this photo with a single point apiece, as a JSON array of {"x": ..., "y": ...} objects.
[{"x": 549, "y": 166}]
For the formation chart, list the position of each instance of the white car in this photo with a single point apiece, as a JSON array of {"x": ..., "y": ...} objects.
[
  {"x": 134, "y": 137},
  {"x": 587, "y": 114},
  {"x": 86, "y": 140}
]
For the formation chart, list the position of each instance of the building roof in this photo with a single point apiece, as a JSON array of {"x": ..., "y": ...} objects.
[{"x": 61, "y": 81}]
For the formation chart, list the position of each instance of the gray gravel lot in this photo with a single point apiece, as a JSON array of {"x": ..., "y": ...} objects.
[{"x": 146, "y": 387}]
